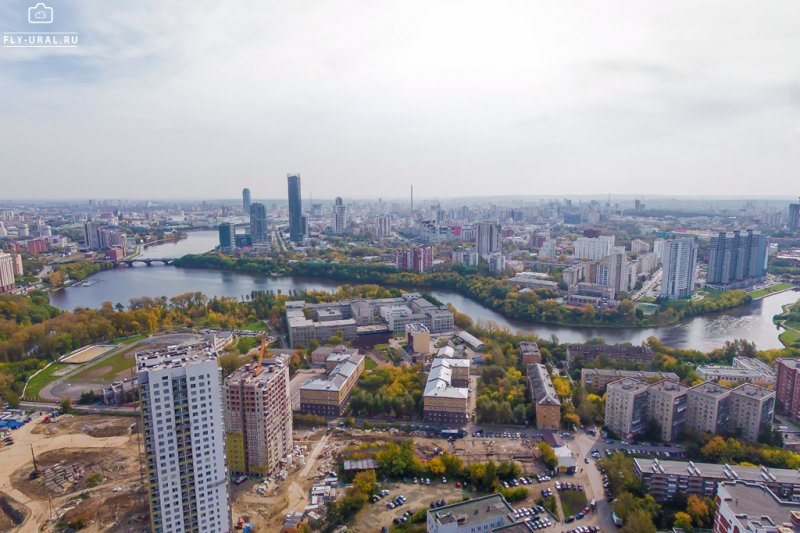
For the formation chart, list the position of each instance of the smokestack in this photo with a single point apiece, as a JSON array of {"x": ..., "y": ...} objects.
[{"x": 412, "y": 198}]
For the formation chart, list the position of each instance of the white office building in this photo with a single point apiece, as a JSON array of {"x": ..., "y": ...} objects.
[{"x": 184, "y": 439}]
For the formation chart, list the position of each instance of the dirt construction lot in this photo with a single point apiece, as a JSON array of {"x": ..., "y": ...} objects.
[{"x": 90, "y": 480}]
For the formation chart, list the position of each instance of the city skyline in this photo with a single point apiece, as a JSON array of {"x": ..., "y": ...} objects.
[{"x": 527, "y": 99}]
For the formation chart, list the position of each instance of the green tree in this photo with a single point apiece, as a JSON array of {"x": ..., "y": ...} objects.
[
  {"x": 549, "y": 457},
  {"x": 683, "y": 521},
  {"x": 66, "y": 405},
  {"x": 638, "y": 521}
]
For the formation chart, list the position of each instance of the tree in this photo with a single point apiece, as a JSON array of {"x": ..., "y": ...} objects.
[
  {"x": 548, "y": 455},
  {"x": 698, "y": 509},
  {"x": 66, "y": 405},
  {"x": 639, "y": 521},
  {"x": 683, "y": 521},
  {"x": 365, "y": 481}
]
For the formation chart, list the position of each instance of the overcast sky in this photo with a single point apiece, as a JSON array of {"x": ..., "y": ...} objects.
[{"x": 364, "y": 98}]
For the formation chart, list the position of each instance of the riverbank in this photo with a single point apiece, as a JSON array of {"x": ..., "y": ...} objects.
[
  {"x": 774, "y": 289},
  {"x": 535, "y": 307},
  {"x": 789, "y": 320}
]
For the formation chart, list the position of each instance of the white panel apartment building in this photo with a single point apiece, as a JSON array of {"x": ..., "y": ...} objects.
[
  {"x": 594, "y": 248},
  {"x": 184, "y": 440}
]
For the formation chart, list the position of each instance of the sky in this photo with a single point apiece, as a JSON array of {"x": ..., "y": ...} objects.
[{"x": 168, "y": 99}]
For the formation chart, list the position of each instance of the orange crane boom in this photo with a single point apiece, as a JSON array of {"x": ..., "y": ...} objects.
[{"x": 261, "y": 354}]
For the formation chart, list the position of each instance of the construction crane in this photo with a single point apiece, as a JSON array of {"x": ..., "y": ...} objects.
[{"x": 261, "y": 354}]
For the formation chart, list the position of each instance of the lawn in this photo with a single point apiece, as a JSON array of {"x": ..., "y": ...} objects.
[
  {"x": 769, "y": 290},
  {"x": 118, "y": 362},
  {"x": 369, "y": 364},
  {"x": 255, "y": 325},
  {"x": 40, "y": 380},
  {"x": 791, "y": 334},
  {"x": 128, "y": 340},
  {"x": 572, "y": 501}
]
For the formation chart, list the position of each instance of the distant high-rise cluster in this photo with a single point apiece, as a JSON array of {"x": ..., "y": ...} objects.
[
  {"x": 737, "y": 261},
  {"x": 794, "y": 216},
  {"x": 418, "y": 259}
]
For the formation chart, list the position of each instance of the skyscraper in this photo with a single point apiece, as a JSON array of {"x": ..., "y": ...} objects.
[
  {"x": 487, "y": 238},
  {"x": 258, "y": 223},
  {"x": 184, "y": 442},
  {"x": 227, "y": 236},
  {"x": 339, "y": 217},
  {"x": 736, "y": 261},
  {"x": 246, "y": 200},
  {"x": 295, "y": 209},
  {"x": 258, "y": 417},
  {"x": 680, "y": 263}
]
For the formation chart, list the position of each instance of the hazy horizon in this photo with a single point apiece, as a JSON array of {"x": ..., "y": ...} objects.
[{"x": 517, "y": 98}]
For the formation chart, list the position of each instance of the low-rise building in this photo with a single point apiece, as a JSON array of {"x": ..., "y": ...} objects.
[
  {"x": 480, "y": 514},
  {"x": 446, "y": 395},
  {"x": 605, "y": 354},
  {"x": 769, "y": 375},
  {"x": 597, "y": 379},
  {"x": 533, "y": 280},
  {"x": 663, "y": 479},
  {"x": 328, "y": 396},
  {"x": 418, "y": 338},
  {"x": 747, "y": 507},
  {"x": 717, "y": 373},
  {"x": 544, "y": 397},
  {"x": 529, "y": 353}
]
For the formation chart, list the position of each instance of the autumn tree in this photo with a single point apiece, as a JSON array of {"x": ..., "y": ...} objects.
[{"x": 683, "y": 521}]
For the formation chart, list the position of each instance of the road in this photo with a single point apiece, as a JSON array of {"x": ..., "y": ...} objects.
[{"x": 590, "y": 477}]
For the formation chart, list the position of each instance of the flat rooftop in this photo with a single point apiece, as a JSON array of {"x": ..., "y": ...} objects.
[
  {"x": 754, "y": 391},
  {"x": 628, "y": 385},
  {"x": 471, "y": 512},
  {"x": 718, "y": 471},
  {"x": 671, "y": 388},
  {"x": 758, "y": 507},
  {"x": 710, "y": 389}
]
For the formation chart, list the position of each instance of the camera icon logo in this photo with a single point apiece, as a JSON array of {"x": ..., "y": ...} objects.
[{"x": 40, "y": 14}]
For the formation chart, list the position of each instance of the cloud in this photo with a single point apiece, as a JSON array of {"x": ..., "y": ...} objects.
[{"x": 458, "y": 97}]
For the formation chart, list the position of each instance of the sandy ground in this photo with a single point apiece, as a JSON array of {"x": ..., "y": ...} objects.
[{"x": 16, "y": 464}]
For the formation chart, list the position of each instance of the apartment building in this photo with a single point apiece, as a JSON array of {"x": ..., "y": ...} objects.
[
  {"x": 544, "y": 397},
  {"x": 787, "y": 387},
  {"x": 709, "y": 408},
  {"x": 480, "y": 514},
  {"x": 752, "y": 410},
  {"x": 446, "y": 395},
  {"x": 328, "y": 396},
  {"x": 258, "y": 417},
  {"x": 663, "y": 479},
  {"x": 6, "y": 272},
  {"x": 597, "y": 379},
  {"x": 529, "y": 353},
  {"x": 667, "y": 405},
  {"x": 592, "y": 354},
  {"x": 184, "y": 441},
  {"x": 627, "y": 404}
]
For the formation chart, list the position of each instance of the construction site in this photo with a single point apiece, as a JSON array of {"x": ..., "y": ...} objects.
[{"x": 79, "y": 471}]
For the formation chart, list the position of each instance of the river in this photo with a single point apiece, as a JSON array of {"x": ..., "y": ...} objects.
[{"x": 753, "y": 322}]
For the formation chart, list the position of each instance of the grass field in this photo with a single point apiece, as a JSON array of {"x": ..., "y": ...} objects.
[
  {"x": 769, "y": 290},
  {"x": 128, "y": 340},
  {"x": 572, "y": 501},
  {"x": 369, "y": 364},
  {"x": 40, "y": 380},
  {"x": 255, "y": 325},
  {"x": 791, "y": 334},
  {"x": 116, "y": 363}
]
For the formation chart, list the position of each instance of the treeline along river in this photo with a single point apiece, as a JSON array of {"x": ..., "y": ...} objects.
[{"x": 752, "y": 321}]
